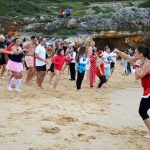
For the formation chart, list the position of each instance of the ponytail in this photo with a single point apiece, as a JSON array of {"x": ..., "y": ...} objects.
[
  {"x": 148, "y": 53},
  {"x": 145, "y": 51}
]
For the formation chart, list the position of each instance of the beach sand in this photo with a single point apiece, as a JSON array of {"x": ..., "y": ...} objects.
[{"x": 92, "y": 119}]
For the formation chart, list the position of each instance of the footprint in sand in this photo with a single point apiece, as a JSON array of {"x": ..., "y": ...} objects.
[
  {"x": 85, "y": 138},
  {"x": 52, "y": 130},
  {"x": 64, "y": 120},
  {"x": 52, "y": 147}
]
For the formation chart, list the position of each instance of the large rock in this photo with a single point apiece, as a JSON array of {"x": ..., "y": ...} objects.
[{"x": 72, "y": 23}]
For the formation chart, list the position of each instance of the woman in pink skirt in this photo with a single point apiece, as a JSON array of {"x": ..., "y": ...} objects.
[{"x": 15, "y": 66}]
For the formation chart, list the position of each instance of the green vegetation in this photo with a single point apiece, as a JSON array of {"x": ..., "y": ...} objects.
[
  {"x": 34, "y": 7},
  {"x": 128, "y": 4},
  {"x": 105, "y": 9},
  {"x": 21, "y": 7},
  {"x": 145, "y": 4}
]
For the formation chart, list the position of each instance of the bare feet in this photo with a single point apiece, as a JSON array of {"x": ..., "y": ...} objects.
[
  {"x": 147, "y": 136},
  {"x": 28, "y": 83},
  {"x": 40, "y": 87}
]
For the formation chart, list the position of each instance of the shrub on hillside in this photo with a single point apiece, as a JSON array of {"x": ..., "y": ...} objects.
[
  {"x": 145, "y": 4},
  {"x": 98, "y": 9}
]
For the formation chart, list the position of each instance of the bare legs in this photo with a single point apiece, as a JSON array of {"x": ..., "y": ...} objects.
[
  {"x": 40, "y": 78},
  {"x": 57, "y": 74},
  {"x": 3, "y": 70},
  {"x": 29, "y": 74},
  {"x": 147, "y": 123}
]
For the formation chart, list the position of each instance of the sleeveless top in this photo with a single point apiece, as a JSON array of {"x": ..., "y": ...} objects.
[
  {"x": 17, "y": 58},
  {"x": 145, "y": 81},
  {"x": 81, "y": 67}
]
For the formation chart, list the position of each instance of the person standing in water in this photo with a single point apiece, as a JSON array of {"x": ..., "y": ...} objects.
[{"x": 142, "y": 72}]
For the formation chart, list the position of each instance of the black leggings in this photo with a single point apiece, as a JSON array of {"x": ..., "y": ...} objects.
[
  {"x": 102, "y": 81},
  {"x": 144, "y": 107},
  {"x": 80, "y": 77},
  {"x": 72, "y": 71}
]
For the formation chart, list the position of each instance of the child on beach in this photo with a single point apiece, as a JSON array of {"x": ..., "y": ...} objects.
[
  {"x": 58, "y": 62},
  {"x": 100, "y": 68},
  {"x": 107, "y": 71}
]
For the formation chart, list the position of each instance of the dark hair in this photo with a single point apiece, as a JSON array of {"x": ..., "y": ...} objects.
[
  {"x": 145, "y": 51},
  {"x": 33, "y": 37},
  {"x": 25, "y": 39},
  {"x": 15, "y": 39},
  {"x": 59, "y": 51},
  {"x": 81, "y": 52}
]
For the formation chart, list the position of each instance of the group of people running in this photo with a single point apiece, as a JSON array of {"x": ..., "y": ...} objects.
[{"x": 34, "y": 53}]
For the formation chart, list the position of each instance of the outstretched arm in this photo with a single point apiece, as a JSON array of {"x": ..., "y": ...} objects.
[
  {"x": 124, "y": 55},
  {"x": 4, "y": 51}
]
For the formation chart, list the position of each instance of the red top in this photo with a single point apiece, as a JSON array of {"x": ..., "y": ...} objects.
[
  {"x": 9, "y": 47},
  {"x": 59, "y": 60},
  {"x": 102, "y": 69},
  {"x": 145, "y": 81}
]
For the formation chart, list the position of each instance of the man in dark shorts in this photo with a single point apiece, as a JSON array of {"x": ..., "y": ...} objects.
[{"x": 40, "y": 54}]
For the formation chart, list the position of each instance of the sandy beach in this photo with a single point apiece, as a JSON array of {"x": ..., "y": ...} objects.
[{"x": 104, "y": 119}]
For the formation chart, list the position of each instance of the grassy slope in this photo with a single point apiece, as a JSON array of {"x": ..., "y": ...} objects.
[{"x": 32, "y": 7}]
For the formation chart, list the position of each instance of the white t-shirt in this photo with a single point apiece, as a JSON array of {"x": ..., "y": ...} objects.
[
  {"x": 106, "y": 56},
  {"x": 41, "y": 51},
  {"x": 88, "y": 64},
  {"x": 73, "y": 55},
  {"x": 113, "y": 57}
]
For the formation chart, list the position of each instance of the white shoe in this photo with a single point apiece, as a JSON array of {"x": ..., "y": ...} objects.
[
  {"x": 17, "y": 90},
  {"x": 9, "y": 89}
]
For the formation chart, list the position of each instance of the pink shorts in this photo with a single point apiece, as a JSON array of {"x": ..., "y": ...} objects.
[
  {"x": 29, "y": 61},
  {"x": 14, "y": 66}
]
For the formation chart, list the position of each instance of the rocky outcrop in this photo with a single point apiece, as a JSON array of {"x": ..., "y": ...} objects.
[
  {"x": 123, "y": 19},
  {"x": 132, "y": 19}
]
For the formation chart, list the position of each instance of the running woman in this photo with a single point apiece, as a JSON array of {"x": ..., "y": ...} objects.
[
  {"x": 58, "y": 62},
  {"x": 142, "y": 72}
]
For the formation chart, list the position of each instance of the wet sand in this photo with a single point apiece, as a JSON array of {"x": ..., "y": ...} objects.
[{"x": 93, "y": 119}]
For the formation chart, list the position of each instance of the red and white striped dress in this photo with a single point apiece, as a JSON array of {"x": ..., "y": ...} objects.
[{"x": 92, "y": 72}]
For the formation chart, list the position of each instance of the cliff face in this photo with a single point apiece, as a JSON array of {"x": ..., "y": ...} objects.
[
  {"x": 121, "y": 40},
  {"x": 130, "y": 25}
]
